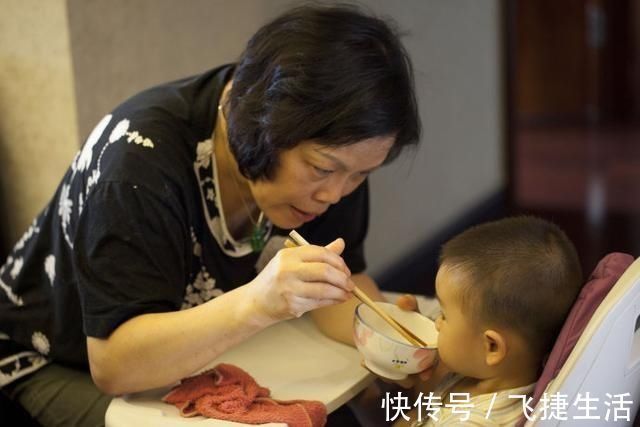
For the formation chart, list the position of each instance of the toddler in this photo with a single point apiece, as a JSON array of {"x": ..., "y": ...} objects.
[{"x": 505, "y": 289}]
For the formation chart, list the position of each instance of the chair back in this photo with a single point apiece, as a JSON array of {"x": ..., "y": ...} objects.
[{"x": 593, "y": 371}]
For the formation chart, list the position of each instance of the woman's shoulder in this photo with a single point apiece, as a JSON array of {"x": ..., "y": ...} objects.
[
  {"x": 158, "y": 131},
  {"x": 134, "y": 148},
  {"x": 191, "y": 101}
]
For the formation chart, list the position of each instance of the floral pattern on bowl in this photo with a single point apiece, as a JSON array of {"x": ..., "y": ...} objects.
[{"x": 384, "y": 351}]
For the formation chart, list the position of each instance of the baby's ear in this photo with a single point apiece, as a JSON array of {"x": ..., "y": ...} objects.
[{"x": 495, "y": 347}]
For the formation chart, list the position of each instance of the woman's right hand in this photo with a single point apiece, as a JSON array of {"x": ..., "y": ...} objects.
[{"x": 301, "y": 279}]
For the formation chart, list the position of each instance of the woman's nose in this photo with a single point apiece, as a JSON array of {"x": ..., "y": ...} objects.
[{"x": 330, "y": 193}]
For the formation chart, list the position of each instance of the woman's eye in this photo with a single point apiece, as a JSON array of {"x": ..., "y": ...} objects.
[{"x": 321, "y": 171}]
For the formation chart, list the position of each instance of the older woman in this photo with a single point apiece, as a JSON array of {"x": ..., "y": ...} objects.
[{"x": 162, "y": 246}]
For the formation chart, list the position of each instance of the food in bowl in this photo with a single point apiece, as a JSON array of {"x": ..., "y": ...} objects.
[{"x": 386, "y": 353}]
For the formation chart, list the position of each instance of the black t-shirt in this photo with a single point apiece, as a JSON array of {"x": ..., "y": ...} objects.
[{"x": 134, "y": 228}]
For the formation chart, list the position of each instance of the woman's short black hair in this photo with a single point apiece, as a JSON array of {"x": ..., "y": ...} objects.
[{"x": 331, "y": 74}]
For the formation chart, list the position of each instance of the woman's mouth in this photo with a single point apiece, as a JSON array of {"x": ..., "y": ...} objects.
[{"x": 303, "y": 215}]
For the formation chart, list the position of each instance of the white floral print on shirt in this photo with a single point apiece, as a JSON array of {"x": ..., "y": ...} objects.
[
  {"x": 17, "y": 267},
  {"x": 50, "y": 268},
  {"x": 203, "y": 153},
  {"x": 33, "y": 229},
  {"x": 197, "y": 248},
  {"x": 40, "y": 342},
  {"x": 65, "y": 208},
  {"x": 119, "y": 130},
  {"x": 203, "y": 288},
  {"x": 15, "y": 299},
  {"x": 13, "y": 265},
  {"x": 65, "y": 204},
  {"x": 85, "y": 159}
]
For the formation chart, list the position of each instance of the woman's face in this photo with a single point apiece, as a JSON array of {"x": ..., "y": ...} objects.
[{"x": 311, "y": 177}]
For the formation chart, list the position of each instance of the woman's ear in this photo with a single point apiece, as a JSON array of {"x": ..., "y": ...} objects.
[{"x": 495, "y": 347}]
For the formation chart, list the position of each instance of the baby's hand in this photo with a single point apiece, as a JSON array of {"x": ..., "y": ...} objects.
[{"x": 407, "y": 302}]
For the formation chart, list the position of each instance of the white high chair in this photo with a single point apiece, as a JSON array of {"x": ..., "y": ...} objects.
[{"x": 605, "y": 361}]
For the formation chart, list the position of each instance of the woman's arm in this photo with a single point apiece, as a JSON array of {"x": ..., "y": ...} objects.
[
  {"x": 336, "y": 321},
  {"x": 154, "y": 350}
]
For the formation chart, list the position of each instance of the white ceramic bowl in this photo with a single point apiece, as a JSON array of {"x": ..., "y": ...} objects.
[{"x": 386, "y": 353}]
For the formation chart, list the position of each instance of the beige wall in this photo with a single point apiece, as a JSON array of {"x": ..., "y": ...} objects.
[
  {"x": 122, "y": 46},
  {"x": 455, "y": 49},
  {"x": 38, "y": 130}
]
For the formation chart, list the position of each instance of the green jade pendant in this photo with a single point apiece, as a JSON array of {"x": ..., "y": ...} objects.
[{"x": 258, "y": 234}]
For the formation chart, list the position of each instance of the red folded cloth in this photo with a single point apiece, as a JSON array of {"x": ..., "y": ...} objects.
[{"x": 226, "y": 392}]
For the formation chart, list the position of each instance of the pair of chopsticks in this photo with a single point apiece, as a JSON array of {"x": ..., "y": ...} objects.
[{"x": 298, "y": 240}]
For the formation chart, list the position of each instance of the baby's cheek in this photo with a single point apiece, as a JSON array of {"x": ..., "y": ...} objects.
[
  {"x": 441, "y": 337},
  {"x": 443, "y": 349}
]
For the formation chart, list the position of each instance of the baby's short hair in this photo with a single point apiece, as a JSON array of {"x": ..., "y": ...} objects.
[{"x": 523, "y": 274}]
